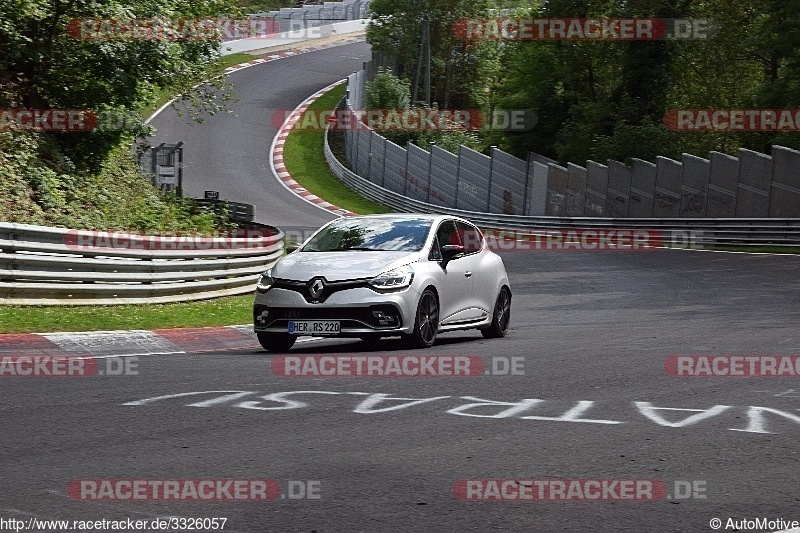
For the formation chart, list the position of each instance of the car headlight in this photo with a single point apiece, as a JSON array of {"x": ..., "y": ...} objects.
[
  {"x": 265, "y": 281},
  {"x": 393, "y": 280}
]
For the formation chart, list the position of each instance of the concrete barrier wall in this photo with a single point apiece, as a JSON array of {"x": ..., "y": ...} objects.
[
  {"x": 311, "y": 16},
  {"x": 619, "y": 190},
  {"x": 419, "y": 173},
  {"x": 785, "y": 188},
  {"x": 537, "y": 194},
  {"x": 509, "y": 184},
  {"x": 395, "y": 168},
  {"x": 752, "y": 185},
  {"x": 378, "y": 155},
  {"x": 694, "y": 186},
  {"x": 752, "y": 194},
  {"x": 723, "y": 177},
  {"x": 444, "y": 168},
  {"x": 668, "y": 188},
  {"x": 557, "y": 180},
  {"x": 474, "y": 170},
  {"x": 596, "y": 189},
  {"x": 643, "y": 187},
  {"x": 576, "y": 190}
]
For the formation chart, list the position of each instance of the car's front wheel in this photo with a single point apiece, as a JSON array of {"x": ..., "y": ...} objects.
[
  {"x": 426, "y": 324},
  {"x": 501, "y": 318},
  {"x": 276, "y": 342}
]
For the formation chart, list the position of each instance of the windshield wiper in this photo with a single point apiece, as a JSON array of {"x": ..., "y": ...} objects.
[{"x": 363, "y": 249}]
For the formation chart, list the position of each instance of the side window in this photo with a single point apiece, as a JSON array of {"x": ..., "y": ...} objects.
[
  {"x": 471, "y": 237},
  {"x": 446, "y": 234},
  {"x": 436, "y": 251}
]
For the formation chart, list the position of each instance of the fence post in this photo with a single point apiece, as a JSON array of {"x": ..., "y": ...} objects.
[
  {"x": 155, "y": 150},
  {"x": 383, "y": 171},
  {"x": 431, "y": 144},
  {"x": 179, "y": 168},
  {"x": 458, "y": 175},
  {"x": 525, "y": 201},
  {"x": 489, "y": 188},
  {"x": 405, "y": 174}
]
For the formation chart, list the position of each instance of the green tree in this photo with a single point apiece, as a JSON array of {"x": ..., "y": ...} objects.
[
  {"x": 395, "y": 27},
  {"x": 605, "y": 100},
  {"x": 387, "y": 91},
  {"x": 43, "y": 67}
]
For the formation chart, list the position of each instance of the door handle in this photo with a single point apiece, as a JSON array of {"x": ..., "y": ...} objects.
[{"x": 467, "y": 273}]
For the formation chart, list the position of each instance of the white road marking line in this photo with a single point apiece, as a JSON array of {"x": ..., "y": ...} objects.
[{"x": 129, "y": 355}]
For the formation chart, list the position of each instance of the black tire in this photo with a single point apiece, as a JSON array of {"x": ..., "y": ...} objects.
[
  {"x": 426, "y": 322},
  {"x": 501, "y": 317},
  {"x": 276, "y": 342}
]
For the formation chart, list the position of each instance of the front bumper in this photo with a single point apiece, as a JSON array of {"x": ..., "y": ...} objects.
[{"x": 361, "y": 311}]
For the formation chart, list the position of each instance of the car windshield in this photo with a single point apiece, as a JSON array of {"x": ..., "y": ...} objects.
[{"x": 386, "y": 234}]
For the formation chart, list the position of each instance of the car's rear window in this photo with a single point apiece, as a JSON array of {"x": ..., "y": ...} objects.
[{"x": 388, "y": 234}]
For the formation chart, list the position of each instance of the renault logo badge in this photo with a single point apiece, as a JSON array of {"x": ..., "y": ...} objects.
[{"x": 316, "y": 287}]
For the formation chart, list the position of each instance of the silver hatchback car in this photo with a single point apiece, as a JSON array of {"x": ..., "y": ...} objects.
[{"x": 409, "y": 275}]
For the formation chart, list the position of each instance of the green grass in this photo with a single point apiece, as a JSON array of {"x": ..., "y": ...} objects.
[
  {"x": 305, "y": 161},
  {"x": 45, "y": 319}
]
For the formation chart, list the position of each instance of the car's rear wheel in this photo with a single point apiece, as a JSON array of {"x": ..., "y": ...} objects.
[
  {"x": 276, "y": 342},
  {"x": 501, "y": 318},
  {"x": 426, "y": 324}
]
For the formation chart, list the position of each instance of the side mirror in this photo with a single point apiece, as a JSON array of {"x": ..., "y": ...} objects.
[{"x": 450, "y": 252}]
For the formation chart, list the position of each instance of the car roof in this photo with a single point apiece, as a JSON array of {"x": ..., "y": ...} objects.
[{"x": 433, "y": 217}]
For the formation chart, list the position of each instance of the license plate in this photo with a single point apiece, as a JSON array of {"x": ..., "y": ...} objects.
[{"x": 314, "y": 327}]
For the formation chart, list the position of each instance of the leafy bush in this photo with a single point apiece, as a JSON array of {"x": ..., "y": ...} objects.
[
  {"x": 387, "y": 91},
  {"x": 38, "y": 185}
]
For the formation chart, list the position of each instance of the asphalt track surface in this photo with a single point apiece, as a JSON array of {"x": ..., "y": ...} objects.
[
  {"x": 230, "y": 153},
  {"x": 591, "y": 326}
]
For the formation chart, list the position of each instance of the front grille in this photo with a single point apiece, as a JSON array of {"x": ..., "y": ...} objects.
[
  {"x": 328, "y": 287},
  {"x": 374, "y": 316}
]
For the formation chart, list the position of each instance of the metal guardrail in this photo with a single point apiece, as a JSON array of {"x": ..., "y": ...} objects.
[
  {"x": 54, "y": 266},
  {"x": 688, "y": 232},
  {"x": 236, "y": 211}
]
